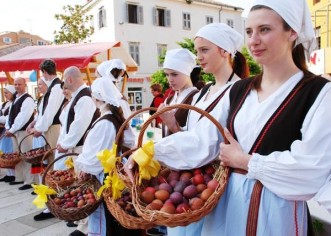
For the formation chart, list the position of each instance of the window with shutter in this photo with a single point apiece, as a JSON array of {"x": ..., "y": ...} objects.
[
  {"x": 134, "y": 14},
  {"x": 186, "y": 21},
  {"x": 102, "y": 17}
]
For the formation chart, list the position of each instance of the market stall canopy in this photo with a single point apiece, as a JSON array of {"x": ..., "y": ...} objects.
[{"x": 85, "y": 56}]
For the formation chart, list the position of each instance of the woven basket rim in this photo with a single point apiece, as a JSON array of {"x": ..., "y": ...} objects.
[{"x": 125, "y": 219}]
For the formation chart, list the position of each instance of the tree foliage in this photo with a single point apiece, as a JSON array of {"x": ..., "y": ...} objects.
[
  {"x": 254, "y": 68},
  {"x": 73, "y": 29}
]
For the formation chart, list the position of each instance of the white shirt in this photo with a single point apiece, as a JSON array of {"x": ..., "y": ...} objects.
[
  {"x": 23, "y": 116},
  {"x": 84, "y": 111},
  {"x": 101, "y": 137},
  {"x": 55, "y": 100},
  {"x": 323, "y": 197},
  {"x": 178, "y": 98},
  {"x": 296, "y": 174},
  {"x": 129, "y": 137}
]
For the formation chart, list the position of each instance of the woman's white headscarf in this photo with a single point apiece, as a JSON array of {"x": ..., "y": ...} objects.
[
  {"x": 296, "y": 14},
  {"x": 181, "y": 60},
  {"x": 223, "y": 36},
  {"x": 106, "y": 67},
  {"x": 103, "y": 89},
  {"x": 10, "y": 88}
]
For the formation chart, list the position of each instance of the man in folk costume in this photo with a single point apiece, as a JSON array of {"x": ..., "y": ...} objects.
[
  {"x": 49, "y": 122},
  {"x": 20, "y": 115},
  {"x": 81, "y": 114}
]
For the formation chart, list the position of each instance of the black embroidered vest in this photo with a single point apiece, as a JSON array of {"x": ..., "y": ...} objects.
[
  {"x": 15, "y": 109},
  {"x": 287, "y": 120},
  {"x": 71, "y": 113},
  {"x": 56, "y": 119}
]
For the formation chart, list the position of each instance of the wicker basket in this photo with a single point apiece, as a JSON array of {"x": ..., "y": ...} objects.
[
  {"x": 162, "y": 218},
  {"x": 119, "y": 135},
  {"x": 72, "y": 213},
  {"x": 10, "y": 160},
  {"x": 34, "y": 156},
  {"x": 59, "y": 184},
  {"x": 124, "y": 218}
]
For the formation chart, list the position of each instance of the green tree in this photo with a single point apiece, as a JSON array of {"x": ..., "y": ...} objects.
[
  {"x": 73, "y": 29},
  {"x": 254, "y": 68}
]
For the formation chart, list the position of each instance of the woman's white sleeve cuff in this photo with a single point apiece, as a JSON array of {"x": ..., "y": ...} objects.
[{"x": 255, "y": 167}]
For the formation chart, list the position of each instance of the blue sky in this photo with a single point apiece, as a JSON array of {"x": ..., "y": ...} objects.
[{"x": 37, "y": 16}]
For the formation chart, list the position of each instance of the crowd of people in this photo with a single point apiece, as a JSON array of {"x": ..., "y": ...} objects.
[
  {"x": 276, "y": 125},
  {"x": 71, "y": 118}
]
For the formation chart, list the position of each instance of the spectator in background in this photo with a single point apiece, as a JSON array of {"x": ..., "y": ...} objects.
[{"x": 156, "y": 90}]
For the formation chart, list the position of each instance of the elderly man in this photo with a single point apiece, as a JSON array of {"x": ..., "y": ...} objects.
[{"x": 20, "y": 116}]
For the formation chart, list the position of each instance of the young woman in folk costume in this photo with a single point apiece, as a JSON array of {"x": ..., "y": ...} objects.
[
  {"x": 38, "y": 142},
  {"x": 101, "y": 136},
  {"x": 178, "y": 65},
  {"x": 112, "y": 71},
  {"x": 217, "y": 47},
  {"x": 278, "y": 131},
  {"x": 6, "y": 145}
]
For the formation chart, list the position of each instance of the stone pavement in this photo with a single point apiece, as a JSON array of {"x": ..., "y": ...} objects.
[{"x": 17, "y": 211}]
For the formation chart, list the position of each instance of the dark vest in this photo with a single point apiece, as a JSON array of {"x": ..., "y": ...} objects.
[
  {"x": 211, "y": 107},
  {"x": 180, "y": 114},
  {"x": 56, "y": 119},
  {"x": 71, "y": 113},
  {"x": 287, "y": 119},
  {"x": 5, "y": 112},
  {"x": 15, "y": 109}
]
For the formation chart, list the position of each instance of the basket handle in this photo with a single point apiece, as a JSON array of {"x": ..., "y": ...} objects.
[
  {"x": 19, "y": 146},
  {"x": 181, "y": 106},
  {"x": 52, "y": 163},
  {"x": 45, "y": 155},
  {"x": 126, "y": 122}
]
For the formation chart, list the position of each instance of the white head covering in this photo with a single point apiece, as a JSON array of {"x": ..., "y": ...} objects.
[
  {"x": 223, "y": 36},
  {"x": 181, "y": 60},
  {"x": 297, "y": 16},
  {"x": 105, "y": 67},
  {"x": 104, "y": 90},
  {"x": 10, "y": 88}
]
